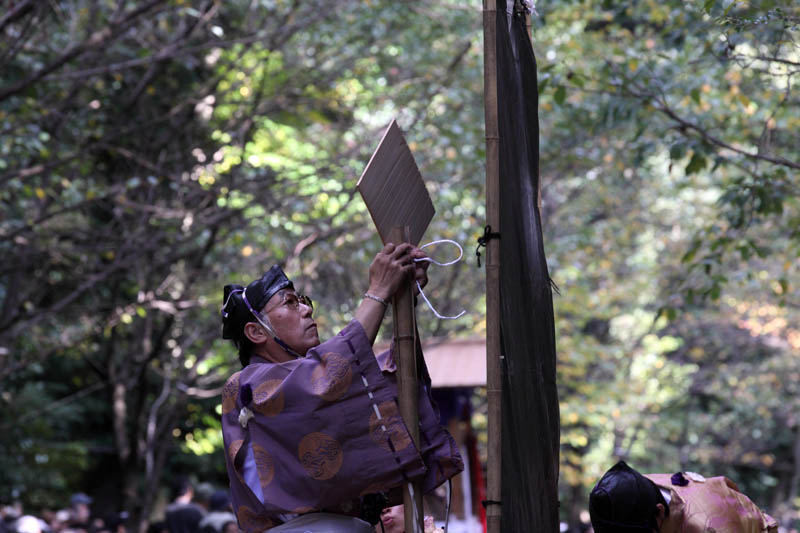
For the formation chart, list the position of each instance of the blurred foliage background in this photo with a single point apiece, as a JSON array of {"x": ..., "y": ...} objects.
[{"x": 153, "y": 151}]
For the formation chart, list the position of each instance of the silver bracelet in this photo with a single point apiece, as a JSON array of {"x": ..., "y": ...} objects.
[{"x": 376, "y": 298}]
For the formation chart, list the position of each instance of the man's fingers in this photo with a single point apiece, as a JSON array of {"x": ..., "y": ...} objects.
[
  {"x": 403, "y": 263},
  {"x": 401, "y": 250}
]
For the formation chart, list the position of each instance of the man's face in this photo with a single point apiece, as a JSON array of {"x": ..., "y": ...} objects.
[
  {"x": 393, "y": 519},
  {"x": 291, "y": 320}
]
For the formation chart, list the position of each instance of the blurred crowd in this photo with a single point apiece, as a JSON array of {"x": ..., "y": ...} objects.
[
  {"x": 192, "y": 509},
  {"x": 200, "y": 509}
]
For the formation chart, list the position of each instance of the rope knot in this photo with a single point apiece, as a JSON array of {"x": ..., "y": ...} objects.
[{"x": 483, "y": 241}]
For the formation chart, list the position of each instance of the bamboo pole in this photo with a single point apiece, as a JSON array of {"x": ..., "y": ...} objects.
[
  {"x": 529, "y": 26},
  {"x": 407, "y": 387},
  {"x": 494, "y": 383}
]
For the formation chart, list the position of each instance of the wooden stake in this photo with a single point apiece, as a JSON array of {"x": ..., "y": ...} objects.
[
  {"x": 407, "y": 386},
  {"x": 494, "y": 369}
]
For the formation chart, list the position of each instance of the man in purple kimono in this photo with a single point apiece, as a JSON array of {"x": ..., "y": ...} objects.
[{"x": 312, "y": 431}]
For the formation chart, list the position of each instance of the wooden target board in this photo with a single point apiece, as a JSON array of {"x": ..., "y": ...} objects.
[{"x": 393, "y": 189}]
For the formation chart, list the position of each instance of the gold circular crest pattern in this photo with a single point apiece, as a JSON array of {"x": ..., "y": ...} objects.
[
  {"x": 264, "y": 465},
  {"x": 332, "y": 377},
  {"x": 234, "y": 448},
  {"x": 251, "y": 520},
  {"x": 230, "y": 393},
  {"x": 266, "y": 400},
  {"x": 321, "y": 455},
  {"x": 378, "y": 486},
  {"x": 395, "y": 429}
]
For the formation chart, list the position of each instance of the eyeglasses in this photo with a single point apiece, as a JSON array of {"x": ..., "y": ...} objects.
[{"x": 293, "y": 301}]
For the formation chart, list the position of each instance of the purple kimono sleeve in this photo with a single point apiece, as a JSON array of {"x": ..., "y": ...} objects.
[
  {"x": 439, "y": 449},
  {"x": 325, "y": 431}
]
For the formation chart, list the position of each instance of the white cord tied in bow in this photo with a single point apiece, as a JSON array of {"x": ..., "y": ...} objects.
[{"x": 428, "y": 259}]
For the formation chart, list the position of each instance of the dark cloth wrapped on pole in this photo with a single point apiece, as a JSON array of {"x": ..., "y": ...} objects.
[{"x": 530, "y": 412}]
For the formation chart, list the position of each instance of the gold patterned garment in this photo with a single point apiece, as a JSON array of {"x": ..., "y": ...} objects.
[
  {"x": 323, "y": 431},
  {"x": 710, "y": 505}
]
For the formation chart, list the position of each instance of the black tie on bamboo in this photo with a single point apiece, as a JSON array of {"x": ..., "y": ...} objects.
[{"x": 483, "y": 240}]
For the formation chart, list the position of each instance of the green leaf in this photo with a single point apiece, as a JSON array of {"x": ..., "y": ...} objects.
[
  {"x": 715, "y": 291},
  {"x": 560, "y": 95},
  {"x": 696, "y": 164},
  {"x": 707, "y": 5},
  {"x": 677, "y": 151},
  {"x": 543, "y": 84},
  {"x": 784, "y": 285},
  {"x": 666, "y": 311},
  {"x": 689, "y": 255}
]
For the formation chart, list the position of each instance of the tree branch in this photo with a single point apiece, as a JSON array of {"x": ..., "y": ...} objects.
[
  {"x": 663, "y": 108},
  {"x": 17, "y": 11},
  {"x": 95, "y": 40}
]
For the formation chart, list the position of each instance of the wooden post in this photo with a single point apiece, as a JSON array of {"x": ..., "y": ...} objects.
[
  {"x": 407, "y": 386},
  {"x": 494, "y": 369}
]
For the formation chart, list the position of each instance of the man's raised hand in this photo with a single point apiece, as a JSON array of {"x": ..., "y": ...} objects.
[{"x": 390, "y": 268}]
